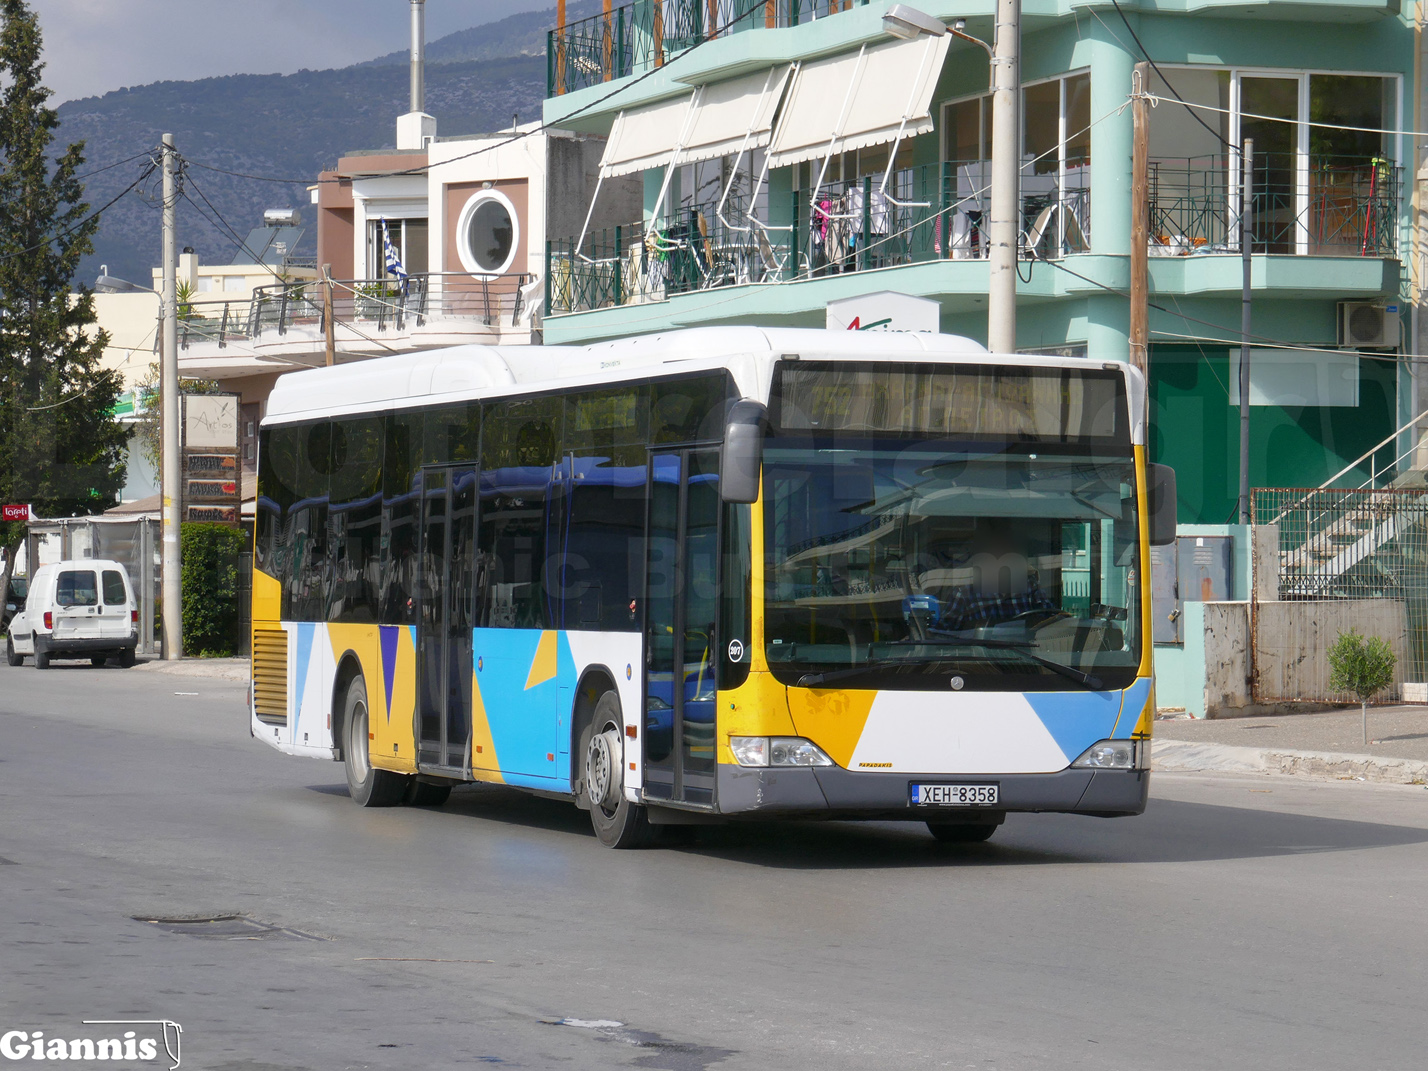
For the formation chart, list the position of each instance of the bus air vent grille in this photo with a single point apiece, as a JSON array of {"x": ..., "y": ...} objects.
[{"x": 270, "y": 675}]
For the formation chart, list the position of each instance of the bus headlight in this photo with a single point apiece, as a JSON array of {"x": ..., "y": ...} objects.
[
  {"x": 777, "y": 751},
  {"x": 1112, "y": 755}
]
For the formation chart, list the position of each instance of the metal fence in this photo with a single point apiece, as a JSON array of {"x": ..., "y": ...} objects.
[
  {"x": 636, "y": 37},
  {"x": 1316, "y": 205},
  {"x": 1359, "y": 557},
  {"x": 379, "y": 304},
  {"x": 931, "y": 212}
]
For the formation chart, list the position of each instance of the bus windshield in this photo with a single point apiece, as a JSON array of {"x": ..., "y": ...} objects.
[{"x": 904, "y": 561}]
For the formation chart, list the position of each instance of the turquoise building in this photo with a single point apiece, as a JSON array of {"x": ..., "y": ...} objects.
[{"x": 794, "y": 153}]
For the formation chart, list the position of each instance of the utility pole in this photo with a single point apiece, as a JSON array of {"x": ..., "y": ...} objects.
[
  {"x": 169, "y": 418},
  {"x": 1246, "y": 236},
  {"x": 328, "y": 327},
  {"x": 1140, "y": 224},
  {"x": 1006, "y": 187}
]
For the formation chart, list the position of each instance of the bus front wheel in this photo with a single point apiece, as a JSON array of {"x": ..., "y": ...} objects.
[
  {"x": 369, "y": 787},
  {"x": 962, "y": 832},
  {"x": 618, "y": 822}
]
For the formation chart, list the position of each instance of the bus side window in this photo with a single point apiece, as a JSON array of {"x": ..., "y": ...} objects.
[
  {"x": 311, "y": 565},
  {"x": 519, "y": 444},
  {"x": 401, "y": 500},
  {"x": 356, "y": 520},
  {"x": 278, "y": 458},
  {"x": 599, "y": 575}
]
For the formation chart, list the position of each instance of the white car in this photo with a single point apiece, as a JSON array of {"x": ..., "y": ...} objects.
[{"x": 76, "y": 609}]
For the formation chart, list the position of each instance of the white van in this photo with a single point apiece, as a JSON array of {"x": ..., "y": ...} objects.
[{"x": 76, "y": 609}]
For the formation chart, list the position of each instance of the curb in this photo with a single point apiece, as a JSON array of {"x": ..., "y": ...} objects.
[
  {"x": 1185, "y": 755},
  {"x": 226, "y": 669}
]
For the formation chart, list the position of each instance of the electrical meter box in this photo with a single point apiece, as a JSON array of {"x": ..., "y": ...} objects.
[
  {"x": 1193, "y": 569},
  {"x": 1164, "y": 602}
]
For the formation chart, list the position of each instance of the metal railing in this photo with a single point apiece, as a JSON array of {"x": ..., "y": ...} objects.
[
  {"x": 933, "y": 212},
  {"x": 638, "y": 36},
  {"x": 1316, "y": 205},
  {"x": 1337, "y": 545},
  {"x": 382, "y": 304}
]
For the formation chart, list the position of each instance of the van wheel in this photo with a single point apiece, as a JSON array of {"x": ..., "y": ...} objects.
[
  {"x": 618, "y": 822},
  {"x": 126, "y": 657},
  {"x": 12, "y": 657},
  {"x": 368, "y": 786},
  {"x": 42, "y": 657}
]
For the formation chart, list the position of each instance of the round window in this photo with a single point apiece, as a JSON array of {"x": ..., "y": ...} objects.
[{"x": 488, "y": 233}]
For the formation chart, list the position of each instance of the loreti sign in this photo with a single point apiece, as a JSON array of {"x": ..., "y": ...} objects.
[{"x": 14, "y": 513}]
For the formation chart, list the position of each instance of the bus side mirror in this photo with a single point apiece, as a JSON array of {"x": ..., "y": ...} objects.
[
  {"x": 742, "y": 451},
  {"x": 1161, "y": 481}
]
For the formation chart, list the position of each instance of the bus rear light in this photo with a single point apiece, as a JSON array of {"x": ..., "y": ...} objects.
[{"x": 777, "y": 751}]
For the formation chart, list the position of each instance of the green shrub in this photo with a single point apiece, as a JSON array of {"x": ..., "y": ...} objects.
[{"x": 210, "y": 588}]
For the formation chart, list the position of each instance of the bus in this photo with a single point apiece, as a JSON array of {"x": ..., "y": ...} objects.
[{"x": 715, "y": 574}]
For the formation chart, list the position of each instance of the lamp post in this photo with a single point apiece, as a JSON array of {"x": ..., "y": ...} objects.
[{"x": 907, "y": 22}]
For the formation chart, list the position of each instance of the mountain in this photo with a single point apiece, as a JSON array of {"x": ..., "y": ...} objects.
[{"x": 286, "y": 127}]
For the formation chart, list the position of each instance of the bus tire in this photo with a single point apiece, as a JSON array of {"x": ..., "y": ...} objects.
[
  {"x": 12, "y": 657},
  {"x": 424, "y": 794},
  {"x": 618, "y": 822},
  {"x": 369, "y": 787},
  {"x": 962, "y": 832}
]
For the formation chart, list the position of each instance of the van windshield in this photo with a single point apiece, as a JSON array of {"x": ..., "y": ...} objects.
[{"x": 76, "y": 587}]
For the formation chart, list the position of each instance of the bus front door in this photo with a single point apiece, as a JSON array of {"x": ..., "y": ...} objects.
[
  {"x": 448, "y": 557},
  {"x": 681, "y": 603}
]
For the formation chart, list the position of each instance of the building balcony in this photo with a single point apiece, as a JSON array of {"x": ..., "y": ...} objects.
[
  {"x": 930, "y": 213},
  {"x": 1299, "y": 205},
  {"x": 639, "y": 36},
  {"x": 283, "y": 325}
]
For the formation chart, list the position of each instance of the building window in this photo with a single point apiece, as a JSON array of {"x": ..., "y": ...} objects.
[
  {"x": 409, "y": 238},
  {"x": 1318, "y": 189},
  {"x": 487, "y": 233},
  {"x": 233, "y": 284}
]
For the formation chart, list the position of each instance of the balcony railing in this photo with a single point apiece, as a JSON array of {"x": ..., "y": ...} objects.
[
  {"x": 365, "y": 304},
  {"x": 1315, "y": 206},
  {"x": 934, "y": 212},
  {"x": 633, "y": 38}
]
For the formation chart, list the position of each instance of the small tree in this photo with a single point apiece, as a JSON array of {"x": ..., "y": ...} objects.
[{"x": 1361, "y": 665}]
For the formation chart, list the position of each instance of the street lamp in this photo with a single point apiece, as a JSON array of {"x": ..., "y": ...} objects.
[{"x": 906, "y": 22}]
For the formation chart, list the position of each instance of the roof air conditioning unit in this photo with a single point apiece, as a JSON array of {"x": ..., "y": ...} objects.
[{"x": 1368, "y": 325}]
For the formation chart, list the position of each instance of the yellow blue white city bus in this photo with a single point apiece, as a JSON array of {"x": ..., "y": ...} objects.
[{"x": 716, "y": 574}]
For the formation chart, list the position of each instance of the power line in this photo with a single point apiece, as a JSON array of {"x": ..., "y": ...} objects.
[
  {"x": 1214, "y": 133},
  {"x": 92, "y": 216},
  {"x": 521, "y": 135}
]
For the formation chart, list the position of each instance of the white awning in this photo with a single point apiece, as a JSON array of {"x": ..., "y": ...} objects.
[
  {"x": 718, "y": 120},
  {"x": 645, "y": 137},
  {"x": 857, "y": 100},
  {"x": 729, "y": 112}
]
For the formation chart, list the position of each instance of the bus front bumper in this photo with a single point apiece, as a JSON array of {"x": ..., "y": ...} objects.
[{"x": 833, "y": 792}]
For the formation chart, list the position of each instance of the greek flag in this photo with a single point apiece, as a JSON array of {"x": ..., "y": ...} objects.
[{"x": 389, "y": 254}]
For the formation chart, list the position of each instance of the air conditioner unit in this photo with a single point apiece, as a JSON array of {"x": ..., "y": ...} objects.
[{"x": 1368, "y": 325}]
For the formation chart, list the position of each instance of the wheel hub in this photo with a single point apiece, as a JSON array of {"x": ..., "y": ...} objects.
[{"x": 602, "y": 769}]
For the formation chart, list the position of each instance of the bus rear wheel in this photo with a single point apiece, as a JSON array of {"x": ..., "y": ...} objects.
[
  {"x": 369, "y": 787},
  {"x": 962, "y": 832},
  {"x": 618, "y": 822}
]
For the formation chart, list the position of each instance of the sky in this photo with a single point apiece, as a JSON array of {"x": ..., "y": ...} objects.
[{"x": 94, "y": 46}]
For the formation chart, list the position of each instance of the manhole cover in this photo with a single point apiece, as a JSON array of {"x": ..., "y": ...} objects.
[{"x": 225, "y": 928}]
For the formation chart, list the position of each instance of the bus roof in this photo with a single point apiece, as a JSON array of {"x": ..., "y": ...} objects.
[{"x": 458, "y": 372}]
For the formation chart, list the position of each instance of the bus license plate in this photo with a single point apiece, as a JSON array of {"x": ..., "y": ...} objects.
[{"x": 954, "y": 795}]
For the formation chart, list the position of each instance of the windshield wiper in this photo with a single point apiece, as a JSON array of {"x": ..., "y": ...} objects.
[
  {"x": 1087, "y": 680},
  {"x": 809, "y": 680},
  {"x": 1021, "y": 648}
]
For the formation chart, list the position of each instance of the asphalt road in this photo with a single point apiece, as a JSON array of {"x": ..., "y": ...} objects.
[{"x": 1241, "y": 923}]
